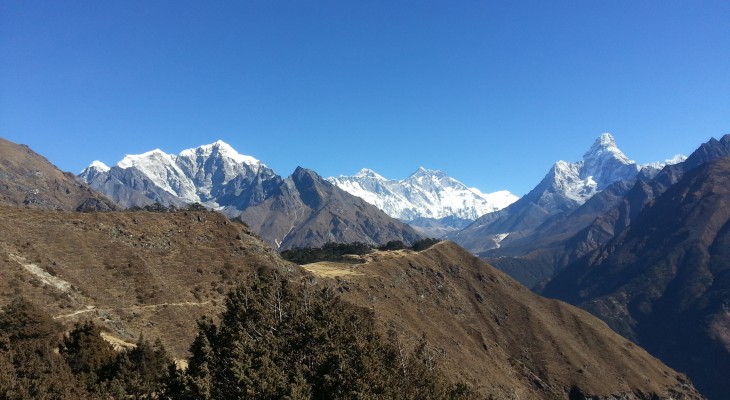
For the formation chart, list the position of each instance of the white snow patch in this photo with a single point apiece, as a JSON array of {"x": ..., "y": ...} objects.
[{"x": 498, "y": 238}]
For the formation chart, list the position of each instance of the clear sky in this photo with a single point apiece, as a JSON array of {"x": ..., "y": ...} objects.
[{"x": 491, "y": 92}]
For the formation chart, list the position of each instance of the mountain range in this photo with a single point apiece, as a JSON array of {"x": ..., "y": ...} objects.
[
  {"x": 567, "y": 199},
  {"x": 660, "y": 274},
  {"x": 653, "y": 268},
  {"x": 425, "y": 199},
  {"x": 155, "y": 273},
  {"x": 302, "y": 210}
]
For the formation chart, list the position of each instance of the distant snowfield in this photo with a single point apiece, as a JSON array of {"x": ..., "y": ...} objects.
[{"x": 424, "y": 194}]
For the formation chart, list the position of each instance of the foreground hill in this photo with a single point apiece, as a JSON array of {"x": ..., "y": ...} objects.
[
  {"x": 497, "y": 334},
  {"x": 154, "y": 273},
  {"x": 130, "y": 272},
  {"x": 665, "y": 279},
  {"x": 28, "y": 179}
]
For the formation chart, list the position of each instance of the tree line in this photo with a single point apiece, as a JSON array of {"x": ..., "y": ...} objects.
[
  {"x": 344, "y": 252},
  {"x": 276, "y": 339}
]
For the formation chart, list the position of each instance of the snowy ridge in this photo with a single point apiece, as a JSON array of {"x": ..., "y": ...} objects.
[
  {"x": 659, "y": 165},
  {"x": 195, "y": 175},
  {"x": 99, "y": 166},
  {"x": 424, "y": 194},
  {"x": 602, "y": 165},
  {"x": 162, "y": 169},
  {"x": 223, "y": 148}
]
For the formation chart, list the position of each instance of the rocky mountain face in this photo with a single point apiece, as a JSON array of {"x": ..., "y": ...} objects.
[
  {"x": 567, "y": 186},
  {"x": 215, "y": 175},
  {"x": 308, "y": 211},
  {"x": 663, "y": 280},
  {"x": 303, "y": 210},
  {"x": 155, "y": 273},
  {"x": 28, "y": 179},
  {"x": 426, "y": 199},
  {"x": 533, "y": 258}
]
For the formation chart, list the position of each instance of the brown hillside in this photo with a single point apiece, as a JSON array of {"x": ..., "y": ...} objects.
[
  {"x": 156, "y": 273},
  {"x": 131, "y": 272},
  {"x": 496, "y": 333},
  {"x": 28, "y": 179}
]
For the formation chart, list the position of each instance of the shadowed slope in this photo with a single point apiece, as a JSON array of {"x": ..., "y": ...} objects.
[{"x": 665, "y": 280}]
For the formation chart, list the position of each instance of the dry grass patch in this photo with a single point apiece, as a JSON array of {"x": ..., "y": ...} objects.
[{"x": 326, "y": 269}]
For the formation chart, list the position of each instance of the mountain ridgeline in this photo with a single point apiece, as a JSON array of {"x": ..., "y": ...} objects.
[
  {"x": 151, "y": 273},
  {"x": 568, "y": 199},
  {"x": 661, "y": 277},
  {"x": 429, "y": 200},
  {"x": 639, "y": 246},
  {"x": 302, "y": 210}
]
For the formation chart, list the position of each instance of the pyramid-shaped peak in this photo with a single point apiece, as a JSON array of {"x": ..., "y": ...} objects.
[
  {"x": 605, "y": 140},
  {"x": 605, "y": 147}
]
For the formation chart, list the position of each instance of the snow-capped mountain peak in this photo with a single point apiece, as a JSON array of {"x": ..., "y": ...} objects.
[
  {"x": 99, "y": 166},
  {"x": 369, "y": 173},
  {"x": 222, "y": 148},
  {"x": 95, "y": 169},
  {"x": 423, "y": 194},
  {"x": 605, "y": 148},
  {"x": 424, "y": 173},
  {"x": 137, "y": 160},
  {"x": 200, "y": 174}
]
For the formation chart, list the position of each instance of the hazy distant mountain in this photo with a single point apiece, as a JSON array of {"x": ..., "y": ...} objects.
[
  {"x": 303, "y": 210},
  {"x": 566, "y": 187},
  {"x": 664, "y": 278},
  {"x": 28, "y": 179},
  {"x": 426, "y": 199}
]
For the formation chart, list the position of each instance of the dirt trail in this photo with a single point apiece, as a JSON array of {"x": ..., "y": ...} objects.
[{"x": 89, "y": 309}]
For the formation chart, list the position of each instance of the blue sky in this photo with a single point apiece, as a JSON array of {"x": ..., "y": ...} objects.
[{"x": 491, "y": 92}]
